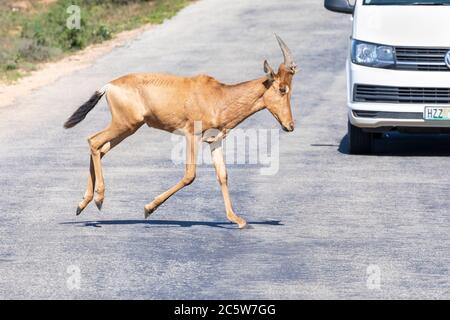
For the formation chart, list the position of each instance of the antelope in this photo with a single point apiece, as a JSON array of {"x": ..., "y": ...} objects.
[{"x": 172, "y": 103}]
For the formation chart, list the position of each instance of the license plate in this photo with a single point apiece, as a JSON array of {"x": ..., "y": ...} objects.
[{"x": 436, "y": 113}]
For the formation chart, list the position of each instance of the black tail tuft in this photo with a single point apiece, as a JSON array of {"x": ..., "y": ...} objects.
[{"x": 82, "y": 111}]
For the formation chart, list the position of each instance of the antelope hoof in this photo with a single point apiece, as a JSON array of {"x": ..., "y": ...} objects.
[
  {"x": 79, "y": 210},
  {"x": 149, "y": 209},
  {"x": 82, "y": 205},
  {"x": 99, "y": 204},
  {"x": 243, "y": 225}
]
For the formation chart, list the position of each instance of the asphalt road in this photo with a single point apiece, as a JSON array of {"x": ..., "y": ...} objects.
[{"x": 320, "y": 224}]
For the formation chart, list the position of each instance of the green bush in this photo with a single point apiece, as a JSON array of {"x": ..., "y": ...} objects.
[
  {"x": 49, "y": 29},
  {"x": 11, "y": 65},
  {"x": 31, "y": 50},
  {"x": 44, "y": 35},
  {"x": 103, "y": 33}
]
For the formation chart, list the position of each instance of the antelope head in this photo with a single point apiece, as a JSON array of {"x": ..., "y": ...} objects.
[{"x": 277, "y": 98}]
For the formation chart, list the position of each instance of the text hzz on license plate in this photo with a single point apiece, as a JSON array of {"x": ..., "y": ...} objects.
[{"x": 436, "y": 113}]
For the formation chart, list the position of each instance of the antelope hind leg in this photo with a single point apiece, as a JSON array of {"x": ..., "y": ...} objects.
[
  {"x": 89, "y": 194},
  {"x": 189, "y": 176},
  {"x": 100, "y": 143}
]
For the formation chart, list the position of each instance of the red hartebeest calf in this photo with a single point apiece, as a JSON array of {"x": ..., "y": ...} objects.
[{"x": 172, "y": 103}]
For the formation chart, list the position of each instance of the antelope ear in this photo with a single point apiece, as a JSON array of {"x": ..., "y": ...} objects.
[{"x": 269, "y": 71}]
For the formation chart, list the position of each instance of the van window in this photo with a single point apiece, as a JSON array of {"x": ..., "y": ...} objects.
[{"x": 407, "y": 2}]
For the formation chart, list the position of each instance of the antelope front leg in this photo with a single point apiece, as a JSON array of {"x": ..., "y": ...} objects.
[
  {"x": 221, "y": 172},
  {"x": 189, "y": 175}
]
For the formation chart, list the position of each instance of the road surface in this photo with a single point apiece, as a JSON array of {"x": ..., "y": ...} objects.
[{"x": 326, "y": 225}]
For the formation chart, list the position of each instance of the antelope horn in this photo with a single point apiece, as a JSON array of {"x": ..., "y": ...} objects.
[{"x": 288, "y": 58}]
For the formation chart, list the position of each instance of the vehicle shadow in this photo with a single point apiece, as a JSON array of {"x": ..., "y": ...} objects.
[
  {"x": 397, "y": 144},
  {"x": 169, "y": 223}
]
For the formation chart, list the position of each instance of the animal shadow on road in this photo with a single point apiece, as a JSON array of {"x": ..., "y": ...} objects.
[
  {"x": 169, "y": 223},
  {"x": 397, "y": 144}
]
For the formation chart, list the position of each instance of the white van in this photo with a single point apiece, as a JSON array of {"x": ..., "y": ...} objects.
[{"x": 398, "y": 68}]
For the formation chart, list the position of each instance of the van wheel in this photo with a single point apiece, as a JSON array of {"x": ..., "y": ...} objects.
[{"x": 360, "y": 142}]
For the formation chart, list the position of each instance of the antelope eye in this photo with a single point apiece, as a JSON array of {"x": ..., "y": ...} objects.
[{"x": 284, "y": 90}]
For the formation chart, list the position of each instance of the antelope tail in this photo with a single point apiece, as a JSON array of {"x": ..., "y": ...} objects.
[{"x": 82, "y": 111}]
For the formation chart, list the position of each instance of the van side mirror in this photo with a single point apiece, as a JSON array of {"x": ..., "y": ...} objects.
[{"x": 341, "y": 6}]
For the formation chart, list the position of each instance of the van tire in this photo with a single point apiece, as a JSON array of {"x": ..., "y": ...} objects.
[{"x": 360, "y": 142}]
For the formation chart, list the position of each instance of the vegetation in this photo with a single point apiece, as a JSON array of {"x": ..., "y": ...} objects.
[{"x": 38, "y": 32}]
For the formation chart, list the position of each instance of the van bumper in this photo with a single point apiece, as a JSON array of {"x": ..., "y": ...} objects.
[{"x": 392, "y": 115}]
